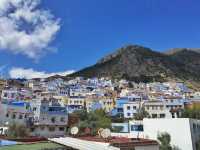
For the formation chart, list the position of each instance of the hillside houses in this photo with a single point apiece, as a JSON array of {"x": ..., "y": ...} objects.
[{"x": 47, "y": 104}]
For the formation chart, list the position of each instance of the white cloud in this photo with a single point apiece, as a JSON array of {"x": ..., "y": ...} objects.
[
  {"x": 31, "y": 73},
  {"x": 26, "y": 29}
]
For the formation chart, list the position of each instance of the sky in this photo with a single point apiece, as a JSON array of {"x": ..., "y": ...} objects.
[{"x": 39, "y": 38}]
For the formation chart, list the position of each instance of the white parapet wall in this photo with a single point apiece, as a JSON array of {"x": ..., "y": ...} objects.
[
  {"x": 180, "y": 129},
  {"x": 83, "y": 144}
]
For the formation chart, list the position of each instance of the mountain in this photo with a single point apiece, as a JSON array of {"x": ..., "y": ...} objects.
[
  {"x": 142, "y": 64},
  {"x": 175, "y": 50}
]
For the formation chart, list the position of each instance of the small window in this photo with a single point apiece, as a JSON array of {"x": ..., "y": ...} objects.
[
  {"x": 53, "y": 120},
  {"x": 32, "y": 129},
  {"x": 128, "y": 107},
  {"x": 7, "y": 115},
  {"x": 154, "y": 115},
  {"x": 5, "y": 95},
  {"x": 61, "y": 129},
  {"x": 194, "y": 127},
  {"x": 27, "y": 107},
  {"x": 62, "y": 119},
  {"x": 137, "y": 128},
  {"x": 173, "y": 115},
  {"x": 51, "y": 129},
  {"x": 20, "y": 116},
  {"x": 162, "y": 115},
  {"x": 13, "y": 116}
]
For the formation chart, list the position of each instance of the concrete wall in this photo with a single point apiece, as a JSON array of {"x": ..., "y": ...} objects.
[
  {"x": 45, "y": 132},
  {"x": 149, "y": 147}
]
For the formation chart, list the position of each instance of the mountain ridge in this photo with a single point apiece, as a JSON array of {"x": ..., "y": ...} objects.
[{"x": 141, "y": 64}]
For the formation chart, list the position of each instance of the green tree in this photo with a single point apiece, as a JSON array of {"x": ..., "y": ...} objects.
[
  {"x": 141, "y": 114},
  {"x": 193, "y": 112},
  {"x": 93, "y": 120},
  {"x": 165, "y": 140}
]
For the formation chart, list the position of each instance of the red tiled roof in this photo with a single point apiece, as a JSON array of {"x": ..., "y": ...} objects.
[{"x": 121, "y": 140}]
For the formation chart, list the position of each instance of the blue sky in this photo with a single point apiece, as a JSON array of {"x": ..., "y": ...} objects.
[{"x": 91, "y": 29}]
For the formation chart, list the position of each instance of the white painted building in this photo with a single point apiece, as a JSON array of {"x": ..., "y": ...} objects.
[
  {"x": 184, "y": 132},
  {"x": 50, "y": 119},
  {"x": 157, "y": 109},
  {"x": 9, "y": 94},
  {"x": 163, "y": 109},
  {"x": 130, "y": 109},
  {"x": 15, "y": 112}
]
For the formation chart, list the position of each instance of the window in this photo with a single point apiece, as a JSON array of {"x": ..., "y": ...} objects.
[
  {"x": 5, "y": 95},
  {"x": 134, "y": 107},
  {"x": 128, "y": 107},
  {"x": 61, "y": 129},
  {"x": 128, "y": 114},
  {"x": 162, "y": 115},
  {"x": 7, "y": 115},
  {"x": 120, "y": 110},
  {"x": 20, "y": 116},
  {"x": 27, "y": 107},
  {"x": 51, "y": 129},
  {"x": 154, "y": 115},
  {"x": 12, "y": 95},
  {"x": 13, "y": 116},
  {"x": 194, "y": 127},
  {"x": 62, "y": 119},
  {"x": 173, "y": 115},
  {"x": 137, "y": 128},
  {"x": 53, "y": 119},
  {"x": 32, "y": 129}
]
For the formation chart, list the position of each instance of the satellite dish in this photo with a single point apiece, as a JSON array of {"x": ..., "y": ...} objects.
[
  {"x": 74, "y": 130},
  {"x": 106, "y": 133},
  {"x": 99, "y": 131},
  {"x": 7, "y": 123}
]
